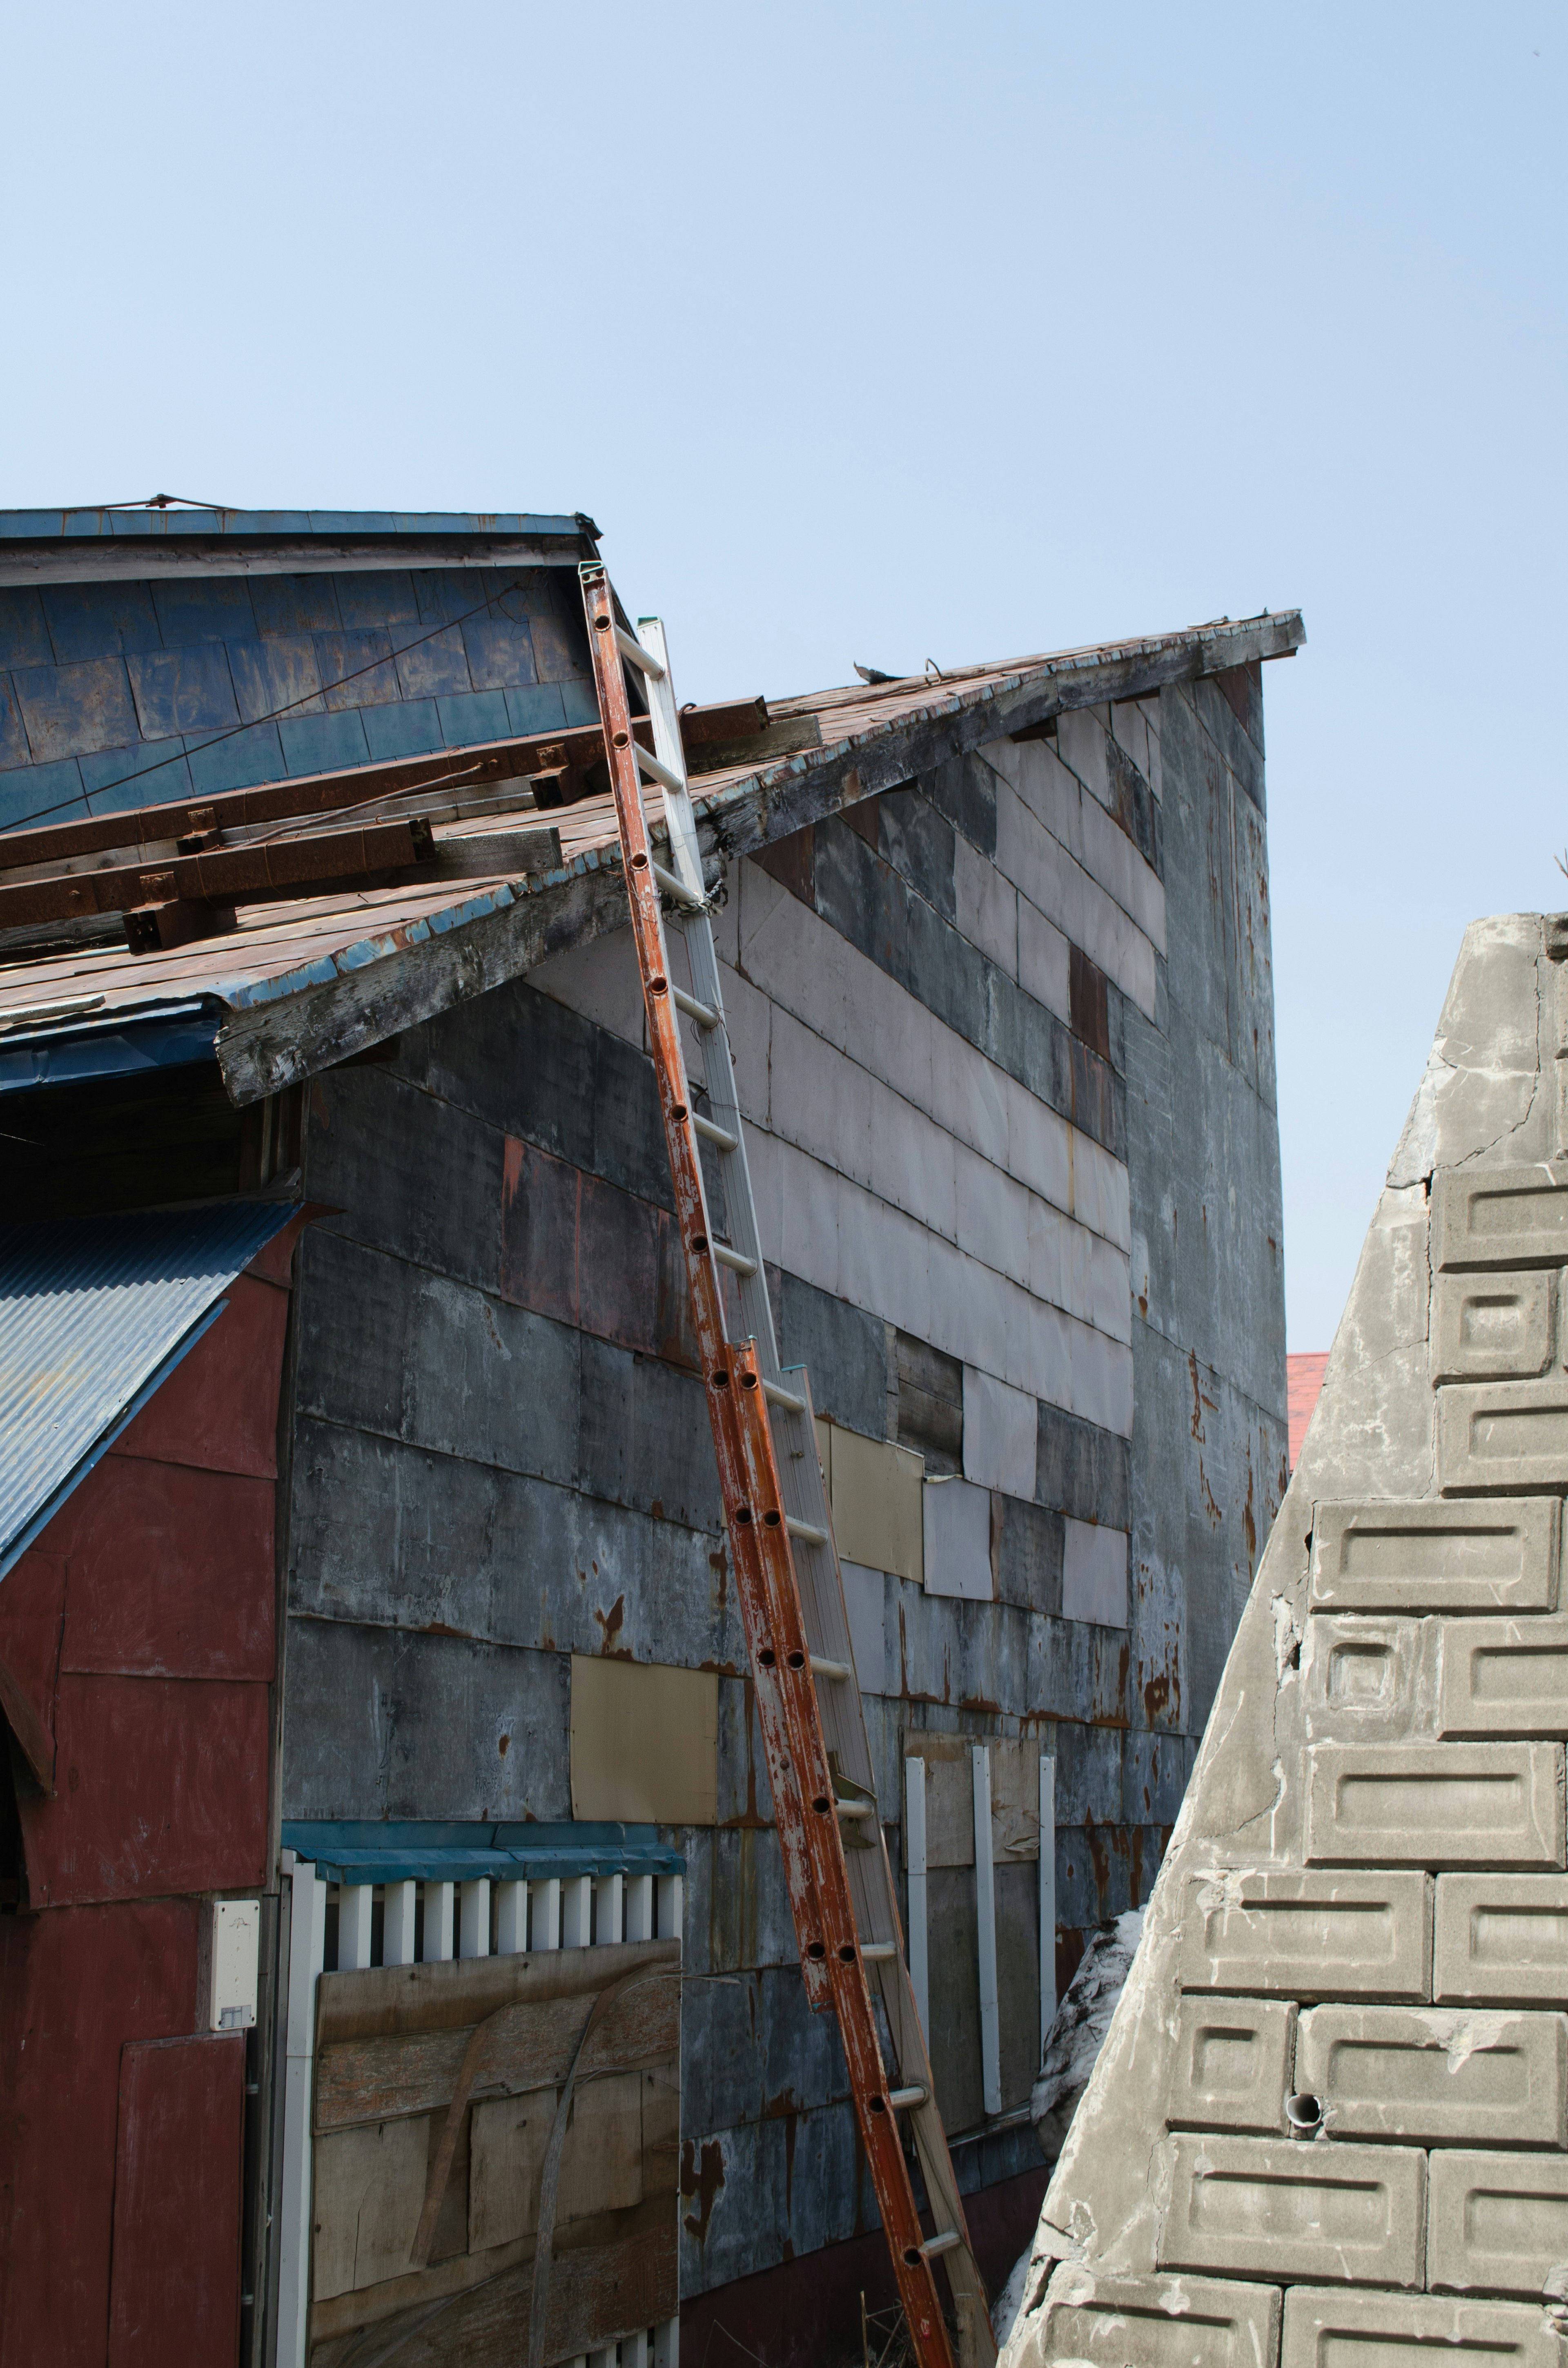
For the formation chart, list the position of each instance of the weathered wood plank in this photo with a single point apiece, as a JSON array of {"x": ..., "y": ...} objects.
[
  {"x": 528, "y": 2046},
  {"x": 458, "y": 1992},
  {"x": 610, "y": 2277}
]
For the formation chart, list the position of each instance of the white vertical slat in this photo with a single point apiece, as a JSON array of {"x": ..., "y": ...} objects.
[
  {"x": 473, "y": 1923},
  {"x": 610, "y": 1901},
  {"x": 985, "y": 1904},
  {"x": 353, "y": 1902},
  {"x": 577, "y": 1911},
  {"x": 635, "y": 2352},
  {"x": 438, "y": 1922},
  {"x": 545, "y": 1900},
  {"x": 397, "y": 1925},
  {"x": 915, "y": 1853},
  {"x": 670, "y": 1890},
  {"x": 638, "y": 1915},
  {"x": 666, "y": 2344},
  {"x": 511, "y": 1920},
  {"x": 604, "y": 2357},
  {"x": 307, "y": 1951},
  {"x": 1047, "y": 1898}
]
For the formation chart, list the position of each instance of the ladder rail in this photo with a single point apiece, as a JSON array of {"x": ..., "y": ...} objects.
[{"x": 779, "y": 1524}]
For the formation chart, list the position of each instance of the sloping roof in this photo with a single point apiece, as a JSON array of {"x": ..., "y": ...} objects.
[
  {"x": 93, "y": 1312},
  {"x": 310, "y": 982},
  {"x": 1328, "y": 2120}
]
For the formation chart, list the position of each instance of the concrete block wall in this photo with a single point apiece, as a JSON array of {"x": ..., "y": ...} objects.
[
  {"x": 946, "y": 1007},
  {"x": 1337, "y": 2079}
]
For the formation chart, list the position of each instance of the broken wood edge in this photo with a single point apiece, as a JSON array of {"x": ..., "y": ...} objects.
[{"x": 287, "y": 1037}]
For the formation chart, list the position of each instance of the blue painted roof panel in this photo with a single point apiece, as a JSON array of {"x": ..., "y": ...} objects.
[
  {"x": 32, "y": 526},
  {"x": 420, "y": 1851},
  {"x": 90, "y": 1307}
]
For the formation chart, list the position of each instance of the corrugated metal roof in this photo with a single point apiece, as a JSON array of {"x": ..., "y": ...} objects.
[
  {"x": 92, "y": 1310},
  {"x": 143, "y": 518}
]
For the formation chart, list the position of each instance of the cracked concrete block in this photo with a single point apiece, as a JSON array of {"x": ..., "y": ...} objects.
[
  {"x": 1152, "y": 2323},
  {"x": 1421, "y": 1557},
  {"x": 1233, "y": 2063},
  {"x": 1490, "y": 1328},
  {"x": 1501, "y": 1939},
  {"x": 1361, "y": 1678},
  {"x": 1500, "y": 1216},
  {"x": 1349, "y": 1935},
  {"x": 1291, "y": 2210},
  {"x": 1466, "y": 2077},
  {"x": 1498, "y": 2223},
  {"x": 1333, "y": 2328},
  {"x": 1495, "y": 1435},
  {"x": 1436, "y": 1804},
  {"x": 1503, "y": 1676}
]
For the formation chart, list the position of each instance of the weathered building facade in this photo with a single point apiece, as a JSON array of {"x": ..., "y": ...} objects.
[{"x": 996, "y": 959}]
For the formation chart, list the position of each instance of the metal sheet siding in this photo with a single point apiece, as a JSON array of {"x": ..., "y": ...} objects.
[{"x": 90, "y": 1309}]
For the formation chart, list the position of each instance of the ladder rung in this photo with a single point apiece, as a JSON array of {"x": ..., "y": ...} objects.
[
  {"x": 856, "y": 1808},
  {"x": 807, "y": 1532},
  {"x": 902, "y": 2098},
  {"x": 821, "y": 1669},
  {"x": 639, "y": 656},
  {"x": 878, "y": 1952},
  {"x": 655, "y": 771},
  {"x": 675, "y": 888},
  {"x": 702, "y": 1013},
  {"x": 735, "y": 1259},
  {"x": 712, "y": 1133},
  {"x": 777, "y": 1394},
  {"x": 942, "y": 2244}
]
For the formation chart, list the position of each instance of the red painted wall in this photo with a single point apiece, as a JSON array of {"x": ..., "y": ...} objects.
[{"x": 137, "y": 1653}]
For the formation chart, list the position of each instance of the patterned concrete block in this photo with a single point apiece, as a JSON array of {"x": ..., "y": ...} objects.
[
  {"x": 1501, "y": 1939},
  {"x": 1503, "y": 1676},
  {"x": 1233, "y": 2063},
  {"x": 1436, "y": 1804},
  {"x": 1361, "y": 1678},
  {"x": 1257, "y": 2207},
  {"x": 1329, "y": 2327},
  {"x": 1494, "y": 1435},
  {"x": 1310, "y": 1936},
  {"x": 1422, "y": 1556},
  {"x": 1152, "y": 2323},
  {"x": 1500, "y": 1217},
  {"x": 1461, "y": 2079},
  {"x": 1491, "y": 1326},
  {"x": 1498, "y": 2223}
]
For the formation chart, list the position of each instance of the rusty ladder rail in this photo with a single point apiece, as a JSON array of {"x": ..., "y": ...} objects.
[{"x": 780, "y": 1530}]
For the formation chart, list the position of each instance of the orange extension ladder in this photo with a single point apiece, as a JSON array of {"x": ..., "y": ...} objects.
[{"x": 780, "y": 1531}]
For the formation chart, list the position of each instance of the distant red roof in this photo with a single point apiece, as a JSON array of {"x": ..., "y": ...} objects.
[{"x": 1304, "y": 1379}]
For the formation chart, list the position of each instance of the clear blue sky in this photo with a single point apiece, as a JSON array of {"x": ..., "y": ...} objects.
[{"x": 888, "y": 333}]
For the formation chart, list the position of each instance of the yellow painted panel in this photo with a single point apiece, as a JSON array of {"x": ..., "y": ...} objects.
[
  {"x": 875, "y": 1491},
  {"x": 644, "y": 1743}
]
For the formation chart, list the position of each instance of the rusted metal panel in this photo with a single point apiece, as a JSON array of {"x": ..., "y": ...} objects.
[
  {"x": 171, "y": 1572},
  {"x": 174, "y": 2289},
  {"x": 218, "y": 1411},
  {"x": 74, "y": 1986}
]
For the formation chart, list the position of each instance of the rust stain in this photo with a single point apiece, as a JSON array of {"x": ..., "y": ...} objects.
[
  {"x": 1248, "y": 1523},
  {"x": 1137, "y": 1876},
  {"x": 702, "y": 2176},
  {"x": 1197, "y": 1396},
  {"x": 979, "y": 1702},
  {"x": 610, "y": 1625},
  {"x": 441, "y": 1628},
  {"x": 504, "y": 1746}
]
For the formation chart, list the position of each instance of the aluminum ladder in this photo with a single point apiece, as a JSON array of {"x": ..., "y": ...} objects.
[{"x": 781, "y": 1531}]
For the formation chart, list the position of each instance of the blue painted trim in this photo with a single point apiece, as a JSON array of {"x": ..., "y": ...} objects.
[
  {"x": 359, "y": 1850},
  {"x": 68, "y": 1486},
  {"x": 122, "y": 1045}
]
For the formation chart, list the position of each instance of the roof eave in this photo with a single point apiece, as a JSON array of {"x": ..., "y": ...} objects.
[{"x": 285, "y": 1029}]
